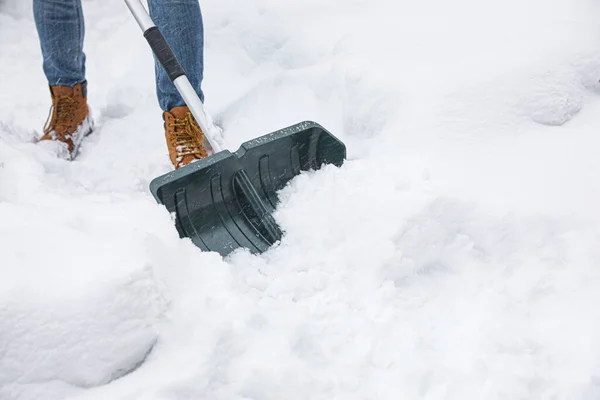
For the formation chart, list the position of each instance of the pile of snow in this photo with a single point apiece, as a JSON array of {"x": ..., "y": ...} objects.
[{"x": 454, "y": 256}]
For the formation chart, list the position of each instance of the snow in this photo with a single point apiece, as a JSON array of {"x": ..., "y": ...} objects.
[{"x": 454, "y": 256}]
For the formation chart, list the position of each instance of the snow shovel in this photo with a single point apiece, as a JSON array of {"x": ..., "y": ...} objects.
[{"x": 226, "y": 200}]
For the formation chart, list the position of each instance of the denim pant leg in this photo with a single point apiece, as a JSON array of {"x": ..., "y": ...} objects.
[
  {"x": 60, "y": 28},
  {"x": 180, "y": 22}
]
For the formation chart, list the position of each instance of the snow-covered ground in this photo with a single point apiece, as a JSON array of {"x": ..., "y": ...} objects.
[{"x": 456, "y": 255}]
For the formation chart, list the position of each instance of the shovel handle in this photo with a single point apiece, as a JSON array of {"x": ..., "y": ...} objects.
[{"x": 176, "y": 73}]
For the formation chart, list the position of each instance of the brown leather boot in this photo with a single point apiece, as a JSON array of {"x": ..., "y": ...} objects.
[
  {"x": 184, "y": 137},
  {"x": 69, "y": 120}
]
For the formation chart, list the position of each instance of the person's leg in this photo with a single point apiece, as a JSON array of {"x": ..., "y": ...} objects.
[
  {"x": 180, "y": 22},
  {"x": 60, "y": 28}
]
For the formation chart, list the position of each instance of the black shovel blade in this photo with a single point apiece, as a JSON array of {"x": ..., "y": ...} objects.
[{"x": 226, "y": 201}]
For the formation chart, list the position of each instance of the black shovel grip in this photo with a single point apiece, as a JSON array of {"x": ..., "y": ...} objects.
[{"x": 163, "y": 53}]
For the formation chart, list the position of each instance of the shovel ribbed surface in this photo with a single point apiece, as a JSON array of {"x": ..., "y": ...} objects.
[{"x": 226, "y": 201}]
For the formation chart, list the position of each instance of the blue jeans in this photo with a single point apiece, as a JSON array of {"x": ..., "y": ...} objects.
[{"x": 60, "y": 27}]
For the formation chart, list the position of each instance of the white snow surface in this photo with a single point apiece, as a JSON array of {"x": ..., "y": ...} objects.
[{"x": 455, "y": 255}]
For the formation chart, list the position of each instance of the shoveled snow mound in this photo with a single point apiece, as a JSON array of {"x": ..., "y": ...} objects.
[
  {"x": 76, "y": 306},
  {"x": 454, "y": 256}
]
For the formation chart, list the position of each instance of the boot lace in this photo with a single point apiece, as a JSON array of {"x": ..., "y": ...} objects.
[
  {"x": 61, "y": 114},
  {"x": 187, "y": 137}
]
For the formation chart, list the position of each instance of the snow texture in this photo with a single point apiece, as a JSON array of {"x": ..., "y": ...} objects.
[{"x": 456, "y": 255}]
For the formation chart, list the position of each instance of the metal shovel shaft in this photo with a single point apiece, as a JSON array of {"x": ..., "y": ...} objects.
[{"x": 167, "y": 59}]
